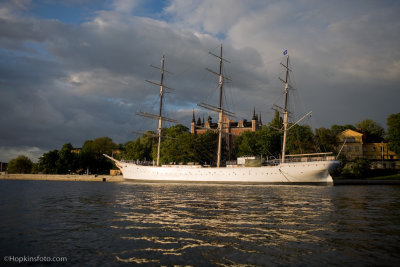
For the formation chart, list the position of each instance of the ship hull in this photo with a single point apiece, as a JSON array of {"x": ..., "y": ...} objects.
[{"x": 310, "y": 172}]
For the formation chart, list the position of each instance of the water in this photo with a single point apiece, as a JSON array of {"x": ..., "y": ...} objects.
[{"x": 201, "y": 225}]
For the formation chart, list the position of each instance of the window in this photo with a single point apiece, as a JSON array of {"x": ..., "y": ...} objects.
[
  {"x": 349, "y": 148},
  {"x": 373, "y": 149},
  {"x": 356, "y": 149}
]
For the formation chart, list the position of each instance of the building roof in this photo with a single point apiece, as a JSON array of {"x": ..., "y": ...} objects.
[{"x": 350, "y": 132}]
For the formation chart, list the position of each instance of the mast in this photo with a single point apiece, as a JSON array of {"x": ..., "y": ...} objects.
[
  {"x": 285, "y": 108},
  {"x": 160, "y": 111},
  {"x": 221, "y": 86},
  {"x": 159, "y": 117},
  {"x": 219, "y": 109}
]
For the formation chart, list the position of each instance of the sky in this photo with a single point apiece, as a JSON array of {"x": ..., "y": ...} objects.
[{"x": 76, "y": 70}]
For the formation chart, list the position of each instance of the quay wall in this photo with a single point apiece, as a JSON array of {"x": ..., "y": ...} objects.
[{"x": 62, "y": 177}]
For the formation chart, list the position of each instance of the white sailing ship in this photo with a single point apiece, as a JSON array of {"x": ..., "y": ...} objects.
[{"x": 302, "y": 168}]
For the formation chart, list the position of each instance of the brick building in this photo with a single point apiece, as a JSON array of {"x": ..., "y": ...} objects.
[{"x": 229, "y": 126}]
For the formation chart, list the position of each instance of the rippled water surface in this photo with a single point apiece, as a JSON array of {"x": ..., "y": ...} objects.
[{"x": 201, "y": 225}]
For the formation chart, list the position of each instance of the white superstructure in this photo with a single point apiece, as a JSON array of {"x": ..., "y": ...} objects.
[{"x": 305, "y": 168}]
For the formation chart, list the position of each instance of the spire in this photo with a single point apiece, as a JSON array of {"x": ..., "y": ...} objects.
[
  {"x": 193, "y": 119},
  {"x": 260, "y": 119},
  {"x": 254, "y": 114}
]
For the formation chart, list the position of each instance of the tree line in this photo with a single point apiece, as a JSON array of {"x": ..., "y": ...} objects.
[{"x": 180, "y": 146}]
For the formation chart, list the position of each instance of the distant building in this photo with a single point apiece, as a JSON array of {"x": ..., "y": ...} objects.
[
  {"x": 229, "y": 126},
  {"x": 355, "y": 146}
]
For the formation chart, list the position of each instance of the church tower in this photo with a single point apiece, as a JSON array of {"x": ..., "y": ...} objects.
[
  {"x": 254, "y": 121},
  {"x": 193, "y": 125}
]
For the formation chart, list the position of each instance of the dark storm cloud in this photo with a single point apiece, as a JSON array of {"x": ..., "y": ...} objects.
[
  {"x": 72, "y": 82},
  {"x": 67, "y": 83}
]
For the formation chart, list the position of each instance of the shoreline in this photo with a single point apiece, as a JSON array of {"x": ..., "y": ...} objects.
[
  {"x": 120, "y": 179},
  {"x": 63, "y": 177},
  {"x": 365, "y": 182}
]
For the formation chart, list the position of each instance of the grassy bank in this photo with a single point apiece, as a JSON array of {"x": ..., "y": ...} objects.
[{"x": 59, "y": 177}]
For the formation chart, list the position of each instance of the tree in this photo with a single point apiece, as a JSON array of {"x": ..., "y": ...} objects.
[
  {"x": 277, "y": 121},
  {"x": 177, "y": 146},
  {"x": 67, "y": 161},
  {"x": 204, "y": 147},
  {"x": 268, "y": 142},
  {"x": 20, "y": 164},
  {"x": 326, "y": 139},
  {"x": 92, "y": 155},
  {"x": 374, "y": 131},
  {"x": 337, "y": 129},
  {"x": 141, "y": 148},
  {"x": 134, "y": 150},
  {"x": 48, "y": 162},
  {"x": 300, "y": 140},
  {"x": 342, "y": 159},
  {"x": 358, "y": 168},
  {"x": 246, "y": 144},
  {"x": 393, "y": 134}
]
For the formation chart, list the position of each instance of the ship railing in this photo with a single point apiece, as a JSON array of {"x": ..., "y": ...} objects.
[
  {"x": 310, "y": 157},
  {"x": 140, "y": 162}
]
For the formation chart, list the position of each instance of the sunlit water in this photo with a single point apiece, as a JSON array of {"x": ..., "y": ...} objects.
[{"x": 201, "y": 225}]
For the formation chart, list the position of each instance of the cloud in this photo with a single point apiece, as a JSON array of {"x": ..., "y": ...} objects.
[
  {"x": 72, "y": 82},
  {"x": 126, "y": 6}
]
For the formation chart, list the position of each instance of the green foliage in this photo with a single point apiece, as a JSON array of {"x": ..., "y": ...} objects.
[
  {"x": 277, "y": 121},
  {"x": 178, "y": 149},
  {"x": 48, "y": 162},
  {"x": 204, "y": 147},
  {"x": 393, "y": 134},
  {"x": 265, "y": 143},
  {"x": 67, "y": 161},
  {"x": 246, "y": 144},
  {"x": 358, "y": 168},
  {"x": 342, "y": 162},
  {"x": 134, "y": 150},
  {"x": 300, "y": 140},
  {"x": 181, "y": 146},
  {"x": 92, "y": 155},
  {"x": 374, "y": 131},
  {"x": 268, "y": 142},
  {"x": 326, "y": 139},
  {"x": 20, "y": 164}
]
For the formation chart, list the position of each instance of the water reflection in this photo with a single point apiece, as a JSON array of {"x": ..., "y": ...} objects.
[
  {"x": 201, "y": 225},
  {"x": 234, "y": 221}
]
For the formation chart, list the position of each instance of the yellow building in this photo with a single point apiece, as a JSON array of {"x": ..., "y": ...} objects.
[
  {"x": 353, "y": 143},
  {"x": 378, "y": 151},
  {"x": 356, "y": 147}
]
